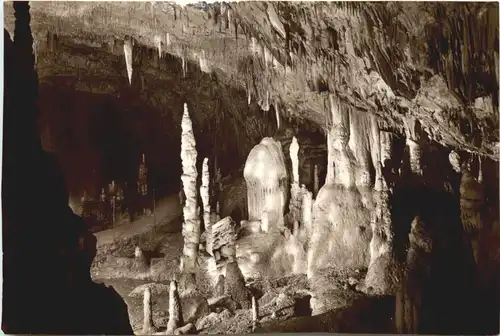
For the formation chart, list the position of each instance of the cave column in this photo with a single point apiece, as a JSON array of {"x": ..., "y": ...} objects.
[
  {"x": 191, "y": 225},
  {"x": 378, "y": 276}
]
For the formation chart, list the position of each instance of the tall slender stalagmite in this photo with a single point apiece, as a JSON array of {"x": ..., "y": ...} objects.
[
  {"x": 191, "y": 225},
  {"x": 265, "y": 174},
  {"x": 205, "y": 195},
  {"x": 128, "y": 48},
  {"x": 175, "y": 319},
  {"x": 277, "y": 116},
  {"x": 148, "y": 327}
]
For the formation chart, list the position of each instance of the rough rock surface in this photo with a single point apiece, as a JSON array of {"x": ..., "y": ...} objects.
[
  {"x": 222, "y": 238},
  {"x": 235, "y": 285}
]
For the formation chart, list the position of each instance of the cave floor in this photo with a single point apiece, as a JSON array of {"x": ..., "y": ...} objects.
[{"x": 167, "y": 210}]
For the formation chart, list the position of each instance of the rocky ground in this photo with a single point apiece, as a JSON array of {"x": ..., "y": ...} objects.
[{"x": 284, "y": 304}]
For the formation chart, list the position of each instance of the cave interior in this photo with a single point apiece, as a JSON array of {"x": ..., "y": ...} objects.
[{"x": 188, "y": 168}]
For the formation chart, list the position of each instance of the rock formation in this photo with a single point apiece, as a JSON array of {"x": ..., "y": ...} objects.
[
  {"x": 235, "y": 285},
  {"x": 340, "y": 233},
  {"x": 148, "y": 327},
  {"x": 265, "y": 175},
  {"x": 205, "y": 194},
  {"x": 194, "y": 304},
  {"x": 221, "y": 240},
  {"x": 175, "y": 318},
  {"x": 128, "y": 49},
  {"x": 255, "y": 312},
  {"x": 191, "y": 226}
]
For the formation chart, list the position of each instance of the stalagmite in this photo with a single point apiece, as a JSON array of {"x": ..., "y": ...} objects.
[
  {"x": 174, "y": 309},
  {"x": 266, "y": 178},
  {"x": 148, "y": 327},
  {"x": 127, "y": 50},
  {"x": 255, "y": 312},
  {"x": 191, "y": 226},
  {"x": 294, "y": 156},
  {"x": 205, "y": 195}
]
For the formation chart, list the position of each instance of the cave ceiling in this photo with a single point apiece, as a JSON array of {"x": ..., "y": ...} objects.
[{"x": 437, "y": 62}]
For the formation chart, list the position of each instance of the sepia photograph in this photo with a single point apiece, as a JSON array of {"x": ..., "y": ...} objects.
[{"x": 250, "y": 167}]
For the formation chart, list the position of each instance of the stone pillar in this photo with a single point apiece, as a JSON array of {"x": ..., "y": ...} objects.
[
  {"x": 191, "y": 225},
  {"x": 266, "y": 177},
  {"x": 128, "y": 47},
  {"x": 205, "y": 195}
]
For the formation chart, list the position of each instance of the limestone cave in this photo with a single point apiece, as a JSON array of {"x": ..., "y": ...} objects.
[{"x": 174, "y": 168}]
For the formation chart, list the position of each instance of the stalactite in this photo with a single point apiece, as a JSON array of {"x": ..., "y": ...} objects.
[
  {"x": 294, "y": 157},
  {"x": 265, "y": 175},
  {"x": 413, "y": 143},
  {"x": 254, "y": 45},
  {"x": 359, "y": 143},
  {"x": 204, "y": 63},
  {"x": 184, "y": 65},
  {"x": 191, "y": 227},
  {"x": 277, "y": 116},
  {"x": 205, "y": 195},
  {"x": 168, "y": 40},
  {"x": 128, "y": 50},
  {"x": 339, "y": 168},
  {"x": 307, "y": 207},
  {"x": 316, "y": 179},
  {"x": 159, "y": 44}
]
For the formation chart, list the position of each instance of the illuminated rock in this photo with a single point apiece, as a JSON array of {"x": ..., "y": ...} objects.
[
  {"x": 148, "y": 327},
  {"x": 412, "y": 128},
  {"x": 174, "y": 310},
  {"x": 128, "y": 47},
  {"x": 191, "y": 225},
  {"x": 266, "y": 178}
]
